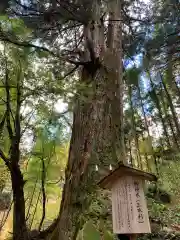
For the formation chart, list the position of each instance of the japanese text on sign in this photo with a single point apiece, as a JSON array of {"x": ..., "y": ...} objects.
[{"x": 129, "y": 210}]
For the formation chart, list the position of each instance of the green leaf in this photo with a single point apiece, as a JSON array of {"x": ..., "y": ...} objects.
[
  {"x": 3, "y": 18},
  {"x": 90, "y": 232},
  {"x": 108, "y": 236},
  {"x": 132, "y": 76}
]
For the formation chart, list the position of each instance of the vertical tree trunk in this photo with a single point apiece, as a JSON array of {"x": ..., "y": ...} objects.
[
  {"x": 97, "y": 134},
  {"x": 167, "y": 117},
  {"x": 135, "y": 135},
  {"x": 19, "y": 223},
  {"x": 163, "y": 122},
  {"x": 19, "y": 219},
  {"x": 173, "y": 111},
  {"x": 43, "y": 180},
  {"x": 160, "y": 112},
  {"x": 147, "y": 129},
  {"x": 171, "y": 81}
]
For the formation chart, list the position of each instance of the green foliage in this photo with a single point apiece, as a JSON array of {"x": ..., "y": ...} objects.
[
  {"x": 163, "y": 199},
  {"x": 158, "y": 194},
  {"x": 160, "y": 236},
  {"x": 43, "y": 133},
  {"x": 3, "y": 176},
  {"x": 170, "y": 175},
  {"x": 157, "y": 210},
  {"x": 132, "y": 75},
  {"x": 5, "y": 201},
  {"x": 90, "y": 232},
  {"x": 146, "y": 146},
  {"x": 54, "y": 156},
  {"x": 14, "y": 27}
]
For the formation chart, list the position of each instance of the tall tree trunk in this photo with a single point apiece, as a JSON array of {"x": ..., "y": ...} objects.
[
  {"x": 146, "y": 127},
  {"x": 163, "y": 122},
  {"x": 43, "y": 180},
  {"x": 173, "y": 111},
  {"x": 19, "y": 221},
  {"x": 135, "y": 135},
  {"x": 97, "y": 134},
  {"x": 155, "y": 98},
  {"x": 171, "y": 81},
  {"x": 149, "y": 136},
  {"x": 167, "y": 117}
]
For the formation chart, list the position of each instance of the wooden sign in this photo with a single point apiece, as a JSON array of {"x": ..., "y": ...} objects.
[{"x": 129, "y": 210}]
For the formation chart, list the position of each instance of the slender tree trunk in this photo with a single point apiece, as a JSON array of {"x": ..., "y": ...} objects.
[
  {"x": 167, "y": 117},
  {"x": 135, "y": 135},
  {"x": 147, "y": 129},
  {"x": 19, "y": 222},
  {"x": 160, "y": 112},
  {"x": 143, "y": 111},
  {"x": 177, "y": 88},
  {"x": 171, "y": 107},
  {"x": 43, "y": 179},
  {"x": 19, "y": 218},
  {"x": 163, "y": 122},
  {"x": 97, "y": 134},
  {"x": 146, "y": 126},
  {"x": 170, "y": 75}
]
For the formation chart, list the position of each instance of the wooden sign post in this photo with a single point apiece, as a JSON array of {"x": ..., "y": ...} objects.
[{"x": 129, "y": 208}]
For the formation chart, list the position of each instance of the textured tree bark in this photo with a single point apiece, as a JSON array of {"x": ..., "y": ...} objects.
[
  {"x": 173, "y": 111},
  {"x": 19, "y": 222},
  {"x": 171, "y": 80},
  {"x": 97, "y": 133},
  {"x": 167, "y": 117}
]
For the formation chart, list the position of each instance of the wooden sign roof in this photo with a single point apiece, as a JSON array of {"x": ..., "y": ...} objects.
[{"x": 124, "y": 170}]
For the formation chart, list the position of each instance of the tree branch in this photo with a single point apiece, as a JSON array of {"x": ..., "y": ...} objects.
[{"x": 41, "y": 48}]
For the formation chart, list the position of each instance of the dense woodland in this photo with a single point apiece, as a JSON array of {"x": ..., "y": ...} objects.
[{"x": 84, "y": 86}]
